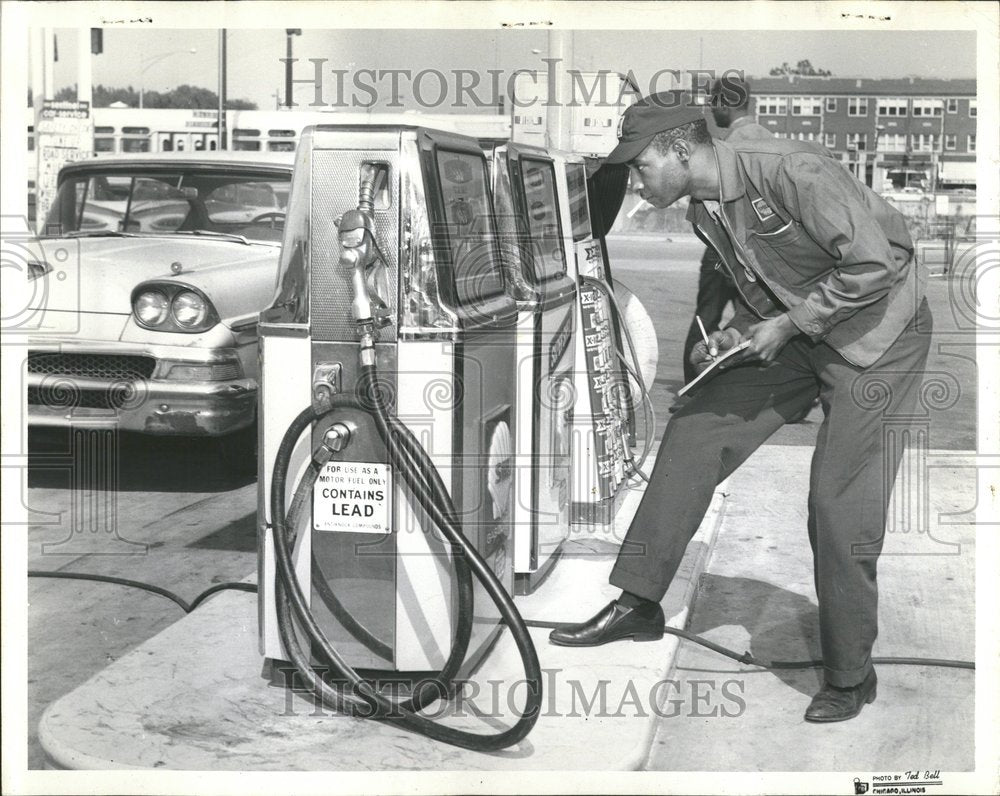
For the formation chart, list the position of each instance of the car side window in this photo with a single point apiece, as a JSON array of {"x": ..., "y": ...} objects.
[{"x": 247, "y": 207}]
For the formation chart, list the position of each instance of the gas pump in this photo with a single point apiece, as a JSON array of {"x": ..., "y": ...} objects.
[
  {"x": 386, "y": 476},
  {"x": 601, "y": 417},
  {"x": 534, "y": 251}
]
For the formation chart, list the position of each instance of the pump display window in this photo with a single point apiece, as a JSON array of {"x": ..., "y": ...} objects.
[{"x": 468, "y": 223}]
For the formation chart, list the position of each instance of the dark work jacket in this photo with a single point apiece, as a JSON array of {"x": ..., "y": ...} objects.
[{"x": 800, "y": 234}]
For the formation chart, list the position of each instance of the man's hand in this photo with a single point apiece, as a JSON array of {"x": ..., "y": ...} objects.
[
  {"x": 767, "y": 338},
  {"x": 702, "y": 355}
]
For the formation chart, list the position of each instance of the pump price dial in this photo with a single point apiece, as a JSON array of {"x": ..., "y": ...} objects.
[{"x": 353, "y": 497}]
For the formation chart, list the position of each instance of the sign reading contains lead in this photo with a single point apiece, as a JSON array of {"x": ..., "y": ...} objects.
[{"x": 353, "y": 496}]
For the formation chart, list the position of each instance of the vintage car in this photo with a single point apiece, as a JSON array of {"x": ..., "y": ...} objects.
[{"x": 152, "y": 271}]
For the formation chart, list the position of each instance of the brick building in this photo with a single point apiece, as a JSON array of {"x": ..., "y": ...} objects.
[{"x": 892, "y": 133}]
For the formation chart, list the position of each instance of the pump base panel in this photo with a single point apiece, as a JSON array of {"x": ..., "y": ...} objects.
[
  {"x": 194, "y": 698},
  {"x": 600, "y": 512},
  {"x": 527, "y": 582}
]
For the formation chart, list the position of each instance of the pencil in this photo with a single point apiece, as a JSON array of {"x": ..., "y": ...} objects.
[{"x": 704, "y": 335}]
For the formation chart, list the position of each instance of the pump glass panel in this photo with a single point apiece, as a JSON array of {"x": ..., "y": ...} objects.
[
  {"x": 576, "y": 183},
  {"x": 539, "y": 179},
  {"x": 468, "y": 222}
]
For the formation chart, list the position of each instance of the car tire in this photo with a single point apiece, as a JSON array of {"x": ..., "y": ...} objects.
[{"x": 238, "y": 452}]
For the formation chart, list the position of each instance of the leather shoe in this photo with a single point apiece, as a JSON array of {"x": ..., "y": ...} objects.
[
  {"x": 612, "y": 623},
  {"x": 840, "y": 704}
]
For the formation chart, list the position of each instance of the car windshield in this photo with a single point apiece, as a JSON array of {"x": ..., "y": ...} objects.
[{"x": 245, "y": 203}]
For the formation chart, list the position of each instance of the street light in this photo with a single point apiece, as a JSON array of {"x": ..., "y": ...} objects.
[{"x": 143, "y": 68}]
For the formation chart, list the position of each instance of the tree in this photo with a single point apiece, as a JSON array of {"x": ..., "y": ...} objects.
[
  {"x": 803, "y": 67},
  {"x": 184, "y": 97}
]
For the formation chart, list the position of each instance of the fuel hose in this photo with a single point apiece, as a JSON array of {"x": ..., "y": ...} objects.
[
  {"x": 354, "y": 694},
  {"x": 463, "y": 576}
]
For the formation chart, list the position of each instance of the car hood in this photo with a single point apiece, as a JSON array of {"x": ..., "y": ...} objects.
[{"x": 99, "y": 274}]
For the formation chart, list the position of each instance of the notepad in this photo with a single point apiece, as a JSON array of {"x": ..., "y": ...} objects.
[{"x": 712, "y": 369}]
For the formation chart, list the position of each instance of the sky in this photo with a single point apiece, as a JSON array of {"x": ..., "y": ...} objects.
[{"x": 161, "y": 59}]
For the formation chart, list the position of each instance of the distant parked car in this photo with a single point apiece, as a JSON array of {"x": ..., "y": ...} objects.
[{"x": 170, "y": 257}]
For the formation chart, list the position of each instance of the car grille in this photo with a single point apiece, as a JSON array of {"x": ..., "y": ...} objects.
[
  {"x": 63, "y": 397},
  {"x": 109, "y": 367}
]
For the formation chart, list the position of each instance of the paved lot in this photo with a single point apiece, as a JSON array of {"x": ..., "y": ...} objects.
[
  {"x": 757, "y": 595},
  {"x": 183, "y": 525}
]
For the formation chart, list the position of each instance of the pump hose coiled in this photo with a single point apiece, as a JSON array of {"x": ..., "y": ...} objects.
[
  {"x": 463, "y": 576},
  {"x": 359, "y": 697}
]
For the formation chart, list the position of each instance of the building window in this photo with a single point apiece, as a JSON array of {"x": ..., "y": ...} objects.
[
  {"x": 951, "y": 141},
  {"x": 806, "y": 106},
  {"x": 831, "y": 104},
  {"x": 772, "y": 106},
  {"x": 804, "y": 136},
  {"x": 135, "y": 144},
  {"x": 857, "y": 106},
  {"x": 857, "y": 141},
  {"x": 830, "y": 140},
  {"x": 927, "y": 107},
  {"x": 952, "y": 103},
  {"x": 892, "y": 106},
  {"x": 892, "y": 142},
  {"x": 925, "y": 142},
  {"x": 973, "y": 108},
  {"x": 972, "y": 142}
]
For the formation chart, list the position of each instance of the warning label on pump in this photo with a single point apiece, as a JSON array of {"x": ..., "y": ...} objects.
[{"x": 353, "y": 496}]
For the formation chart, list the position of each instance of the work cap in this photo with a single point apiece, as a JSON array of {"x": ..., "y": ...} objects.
[{"x": 649, "y": 116}]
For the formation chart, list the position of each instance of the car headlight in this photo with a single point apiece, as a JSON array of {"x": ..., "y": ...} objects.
[
  {"x": 151, "y": 308},
  {"x": 189, "y": 309},
  {"x": 172, "y": 307}
]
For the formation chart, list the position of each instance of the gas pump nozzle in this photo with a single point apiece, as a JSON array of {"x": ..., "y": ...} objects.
[{"x": 360, "y": 252}]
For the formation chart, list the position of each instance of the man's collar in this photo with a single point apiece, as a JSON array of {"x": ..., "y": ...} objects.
[
  {"x": 730, "y": 182},
  {"x": 741, "y": 122}
]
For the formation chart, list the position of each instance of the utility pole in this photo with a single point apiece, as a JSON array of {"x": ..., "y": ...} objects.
[
  {"x": 84, "y": 79},
  {"x": 222, "y": 90},
  {"x": 558, "y": 114}
]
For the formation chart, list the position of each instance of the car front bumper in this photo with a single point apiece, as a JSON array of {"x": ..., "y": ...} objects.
[{"x": 150, "y": 407}]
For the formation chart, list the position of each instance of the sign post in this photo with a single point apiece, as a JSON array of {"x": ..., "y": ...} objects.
[{"x": 65, "y": 133}]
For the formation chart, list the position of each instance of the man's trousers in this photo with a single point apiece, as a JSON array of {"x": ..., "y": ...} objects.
[
  {"x": 851, "y": 479},
  {"x": 715, "y": 291}
]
